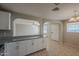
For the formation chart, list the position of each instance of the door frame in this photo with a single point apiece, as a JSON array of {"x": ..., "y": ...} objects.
[{"x": 59, "y": 25}]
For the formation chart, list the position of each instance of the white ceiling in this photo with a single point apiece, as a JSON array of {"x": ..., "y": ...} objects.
[{"x": 44, "y": 9}]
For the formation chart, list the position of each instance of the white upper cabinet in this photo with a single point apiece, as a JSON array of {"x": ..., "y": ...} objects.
[{"x": 5, "y": 20}]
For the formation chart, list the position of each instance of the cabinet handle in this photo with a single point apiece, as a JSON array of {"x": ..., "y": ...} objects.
[
  {"x": 51, "y": 32},
  {"x": 26, "y": 49},
  {"x": 32, "y": 43},
  {"x": 17, "y": 47}
]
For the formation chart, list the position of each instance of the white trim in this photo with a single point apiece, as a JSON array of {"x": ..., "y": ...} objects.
[{"x": 9, "y": 20}]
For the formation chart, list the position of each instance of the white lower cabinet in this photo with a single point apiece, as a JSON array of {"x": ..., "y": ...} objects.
[
  {"x": 25, "y": 47},
  {"x": 30, "y": 46},
  {"x": 10, "y": 49},
  {"x": 37, "y": 44},
  {"x": 45, "y": 42}
]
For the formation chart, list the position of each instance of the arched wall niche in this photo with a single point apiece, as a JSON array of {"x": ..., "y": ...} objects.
[
  {"x": 15, "y": 15},
  {"x": 23, "y": 27}
]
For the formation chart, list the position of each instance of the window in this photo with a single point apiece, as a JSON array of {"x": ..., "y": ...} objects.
[
  {"x": 45, "y": 28},
  {"x": 35, "y": 28},
  {"x": 73, "y": 27}
]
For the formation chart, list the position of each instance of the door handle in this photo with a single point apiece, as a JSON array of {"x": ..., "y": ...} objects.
[
  {"x": 32, "y": 43},
  {"x": 51, "y": 32}
]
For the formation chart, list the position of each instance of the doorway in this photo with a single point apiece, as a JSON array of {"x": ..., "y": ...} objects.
[{"x": 54, "y": 31}]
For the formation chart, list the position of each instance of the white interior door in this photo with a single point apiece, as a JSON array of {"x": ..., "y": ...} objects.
[{"x": 54, "y": 32}]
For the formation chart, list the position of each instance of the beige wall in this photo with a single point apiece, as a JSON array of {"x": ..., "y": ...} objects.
[{"x": 70, "y": 37}]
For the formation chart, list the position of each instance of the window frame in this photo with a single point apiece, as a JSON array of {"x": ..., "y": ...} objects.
[{"x": 74, "y": 27}]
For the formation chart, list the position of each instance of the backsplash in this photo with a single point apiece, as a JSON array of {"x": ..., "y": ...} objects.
[
  {"x": 15, "y": 15},
  {"x": 4, "y": 33}
]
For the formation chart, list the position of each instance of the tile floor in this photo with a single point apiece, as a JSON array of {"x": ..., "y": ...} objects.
[
  {"x": 40, "y": 53},
  {"x": 55, "y": 49}
]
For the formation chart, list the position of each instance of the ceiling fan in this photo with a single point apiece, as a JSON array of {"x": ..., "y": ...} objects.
[{"x": 56, "y": 8}]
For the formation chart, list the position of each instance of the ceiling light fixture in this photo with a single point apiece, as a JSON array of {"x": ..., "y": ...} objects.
[
  {"x": 74, "y": 18},
  {"x": 56, "y": 8}
]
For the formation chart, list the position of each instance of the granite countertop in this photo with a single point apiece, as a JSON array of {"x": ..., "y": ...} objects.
[{"x": 8, "y": 39}]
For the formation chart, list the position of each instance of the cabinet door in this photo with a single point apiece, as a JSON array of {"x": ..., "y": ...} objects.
[
  {"x": 4, "y": 20},
  {"x": 45, "y": 42},
  {"x": 37, "y": 45},
  {"x": 25, "y": 47},
  {"x": 40, "y": 43},
  {"x": 11, "y": 49}
]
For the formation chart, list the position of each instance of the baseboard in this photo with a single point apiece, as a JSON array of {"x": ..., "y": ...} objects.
[{"x": 35, "y": 52}]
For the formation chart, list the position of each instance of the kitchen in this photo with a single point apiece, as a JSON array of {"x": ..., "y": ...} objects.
[
  {"x": 18, "y": 40},
  {"x": 39, "y": 29}
]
